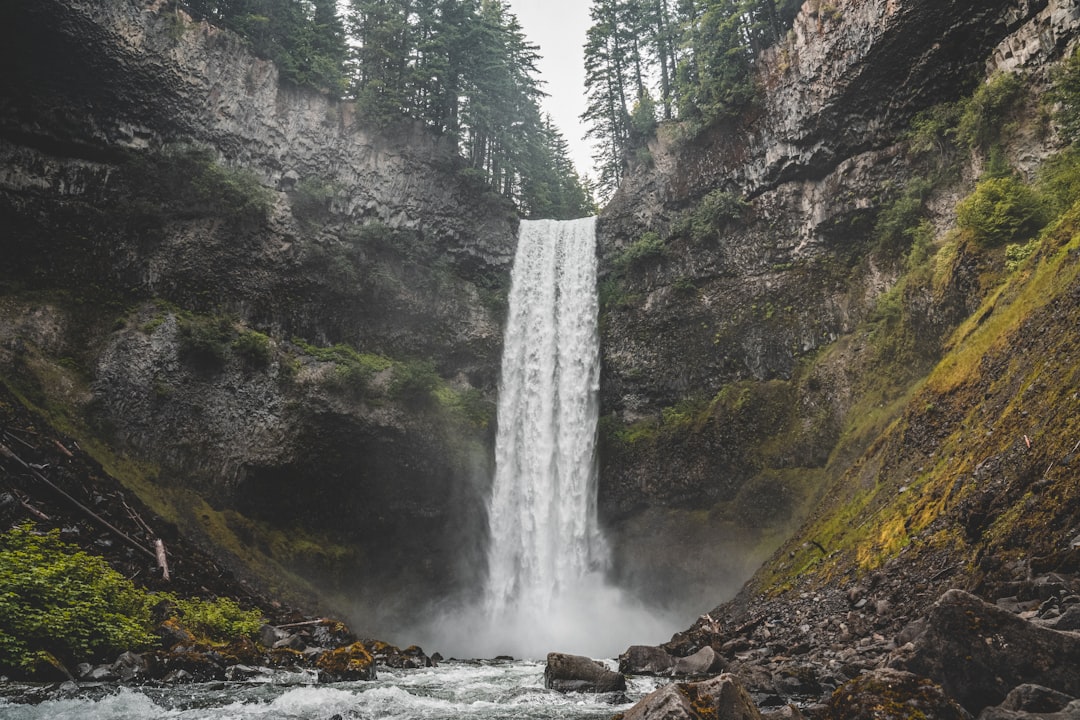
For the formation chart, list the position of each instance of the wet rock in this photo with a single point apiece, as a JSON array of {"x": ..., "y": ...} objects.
[
  {"x": 978, "y": 652},
  {"x": 171, "y": 634},
  {"x": 646, "y": 660},
  {"x": 131, "y": 666},
  {"x": 241, "y": 672},
  {"x": 293, "y": 642},
  {"x": 721, "y": 698},
  {"x": 269, "y": 635},
  {"x": 352, "y": 662},
  {"x": 101, "y": 673},
  {"x": 704, "y": 662},
  {"x": 1069, "y": 619},
  {"x": 197, "y": 666},
  {"x": 332, "y": 634},
  {"x": 888, "y": 694},
  {"x": 1030, "y": 698},
  {"x": 575, "y": 673}
]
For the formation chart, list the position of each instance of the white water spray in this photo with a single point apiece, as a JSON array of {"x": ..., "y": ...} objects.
[
  {"x": 547, "y": 558},
  {"x": 545, "y": 538}
]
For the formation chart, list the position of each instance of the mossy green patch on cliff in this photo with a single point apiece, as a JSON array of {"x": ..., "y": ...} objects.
[{"x": 969, "y": 462}]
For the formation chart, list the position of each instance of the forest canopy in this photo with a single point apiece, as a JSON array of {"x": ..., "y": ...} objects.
[
  {"x": 648, "y": 60},
  {"x": 464, "y": 68}
]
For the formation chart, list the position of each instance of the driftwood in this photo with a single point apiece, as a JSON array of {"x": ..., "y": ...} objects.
[
  {"x": 162, "y": 561},
  {"x": 25, "y": 502},
  {"x": 5, "y": 451},
  {"x": 301, "y": 624}
]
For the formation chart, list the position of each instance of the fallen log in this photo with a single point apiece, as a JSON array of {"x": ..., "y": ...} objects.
[{"x": 162, "y": 561}]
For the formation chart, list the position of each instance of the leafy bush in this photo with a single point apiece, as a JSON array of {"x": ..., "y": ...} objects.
[
  {"x": 983, "y": 118},
  {"x": 218, "y": 620},
  {"x": 1001, "y": 210},
  {"x": 312, "y": 198},
  {"x": 205, "y": 340},
  {"x": 253, "y": 347},
  {"x": 934, "y": 129},
  {"x": 354, "y": 369},
  {"x": 1017, "y": 253},
  {"x": 648, "y": 246},
  {"x": 57, "y": 600},
  {"x": 716, "y": 210},
  {"x": 1059, "y": 180},
  {"x": 898, "y": 220},
  {"x": 414, "y": 381},
  {"x": 1066, "y": 93}
]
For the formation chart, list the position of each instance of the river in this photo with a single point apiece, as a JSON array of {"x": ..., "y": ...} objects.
[{"x": 484, "y": 690}]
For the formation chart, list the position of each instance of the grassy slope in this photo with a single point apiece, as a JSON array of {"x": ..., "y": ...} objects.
[{"x": 979, "y": 461}]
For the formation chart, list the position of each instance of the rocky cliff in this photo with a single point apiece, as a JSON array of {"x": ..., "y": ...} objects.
[
  {"x": 279, "y": 326},
  {"x": 758, "y": 332}
]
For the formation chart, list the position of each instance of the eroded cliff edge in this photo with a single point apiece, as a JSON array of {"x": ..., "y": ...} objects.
[
  {"x": 280, "y": 328},
  {"x": 756, "y": 335}
]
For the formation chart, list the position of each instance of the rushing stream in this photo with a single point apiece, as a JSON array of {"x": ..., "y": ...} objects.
[{"x": 482, "y": 690}]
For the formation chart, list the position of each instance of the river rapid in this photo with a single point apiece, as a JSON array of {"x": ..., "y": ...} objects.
[{"x": 484, "y": 690}]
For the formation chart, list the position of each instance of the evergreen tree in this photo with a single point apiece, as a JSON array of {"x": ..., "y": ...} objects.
[{"x": 304, "y": 38}]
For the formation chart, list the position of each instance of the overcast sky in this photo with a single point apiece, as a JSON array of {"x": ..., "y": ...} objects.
[{"x": 558, "y": 27}]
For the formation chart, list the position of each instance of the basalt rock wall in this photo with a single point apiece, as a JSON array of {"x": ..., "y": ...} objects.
[
  {"x": 186, "y": 239},
  {"x": 733, "y": 355}
]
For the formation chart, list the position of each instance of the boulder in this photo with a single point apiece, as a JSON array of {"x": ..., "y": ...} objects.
[
  {"x": 978, "y": 652},
  {"x": 1033, "y": 702},
  {"x": 646, "y": 660},
  {"x": 705, "y": 661},
  {"x": 574, "y": 673},
  {"x": 720, "y": 698},
  {"x": 131, "y": 667},
  {"x": 888, "y": 694},
  {"x": 352, "y": 662}
]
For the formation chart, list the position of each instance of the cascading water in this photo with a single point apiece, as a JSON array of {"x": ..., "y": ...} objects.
[
  {"x": 545, "y": 538},
  {"x": 546, "y": 588},
  {"x": 547, "y": 559}
]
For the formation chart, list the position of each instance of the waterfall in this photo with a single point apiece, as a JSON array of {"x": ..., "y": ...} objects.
[
  {"x": 545, "y": 540},
  {"x": 546, "y": 588}
]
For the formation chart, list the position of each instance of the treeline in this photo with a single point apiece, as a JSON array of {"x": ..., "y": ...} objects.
[
  {"x": 462, "y": 67},
  {"x": 648, "y": 60}
]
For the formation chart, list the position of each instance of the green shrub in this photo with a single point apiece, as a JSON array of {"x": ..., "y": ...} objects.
[
  {"x": 354, "y": 370},
  {"x": 312, "y": 198},
  {"x": 648, "y": 246},
  {"x": 983, "y": 117},
  {"x": 1001, "y": 210},
  {"x": 253, "y": 347},
  {"x": 205, "y": 340},
  {"x": 414, "y": 381},
  {"x": 57, "y": 600},
  {"x": 219, "y": 620},
  {"x": 1016, "y": 254},
  {"x": 715, "y": 211},
  {"x": 898, "y": 220},
  {"x": 1066, "y": 93},
  {"x": 1059, "y": 180},
  {"x": 934, "y": 129}
]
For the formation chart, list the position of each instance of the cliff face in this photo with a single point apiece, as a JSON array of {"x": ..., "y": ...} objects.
[
  {"x": 185, "y": 241},
  {"x": 746, "y": 268}
]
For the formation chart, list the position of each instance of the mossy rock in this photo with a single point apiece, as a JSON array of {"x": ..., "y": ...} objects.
[
  {"x": 242, "y": 651},
  {"x": 286, "y": 657},
  {"x": 352, "y": 662},
  {"x": 893, "y": 695}
]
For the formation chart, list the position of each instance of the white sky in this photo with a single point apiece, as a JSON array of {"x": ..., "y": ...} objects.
[{"x": 558, "y": 27}]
